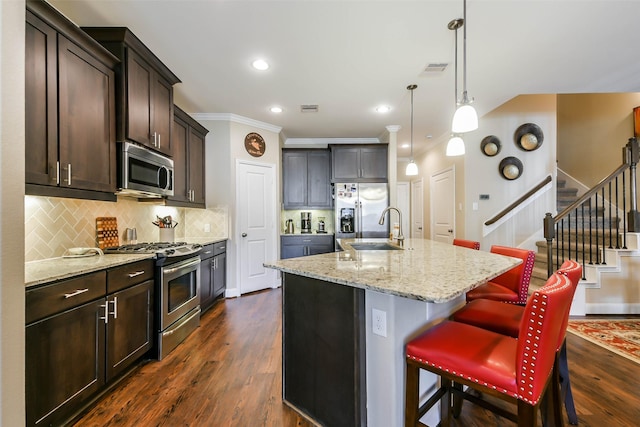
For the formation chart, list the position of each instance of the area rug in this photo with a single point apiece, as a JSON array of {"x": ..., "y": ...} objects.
[{"x": 620, "y": 336}]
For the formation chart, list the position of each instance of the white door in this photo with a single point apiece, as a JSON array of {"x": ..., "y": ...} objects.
[
  {"x": 404, "y": 204},
  {"x": 417, "y": 210},
  {"x": 443, "y": 202},
  {"x": 256, "y": 225}
]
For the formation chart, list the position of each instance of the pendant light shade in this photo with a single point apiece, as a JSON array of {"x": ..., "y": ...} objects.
[
  {"x": 455, "y": 146},
  {"x": 465, "y": 118},
  {"x": 412, "y": 168}
]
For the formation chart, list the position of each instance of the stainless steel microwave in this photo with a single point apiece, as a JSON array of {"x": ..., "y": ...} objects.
[{"x": 143, "y": 172}]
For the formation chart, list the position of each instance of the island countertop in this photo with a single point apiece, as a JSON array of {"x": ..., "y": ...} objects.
[{"x": 423, "y": 270}]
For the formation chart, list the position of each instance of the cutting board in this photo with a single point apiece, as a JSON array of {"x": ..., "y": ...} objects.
[{"x": 107, "y": 231}]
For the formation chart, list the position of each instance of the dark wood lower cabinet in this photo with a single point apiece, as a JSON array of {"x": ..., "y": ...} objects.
[
  {"x": 81, "y": 335},
  {"x": 64, "y": 362},
  {"x": 213, "y": 273},
  {"x": 129, "y": 332}
]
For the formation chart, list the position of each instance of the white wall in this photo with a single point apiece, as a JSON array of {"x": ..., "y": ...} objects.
[
  {"x": 12, "y": 294},
  {"x": 482, "y": 176}
]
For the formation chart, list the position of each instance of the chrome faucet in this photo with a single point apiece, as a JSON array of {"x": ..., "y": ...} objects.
[{"x": 399, "y": 237}]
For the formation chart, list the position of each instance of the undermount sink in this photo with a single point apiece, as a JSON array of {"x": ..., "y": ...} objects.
[{"x": 375, "y": 247}]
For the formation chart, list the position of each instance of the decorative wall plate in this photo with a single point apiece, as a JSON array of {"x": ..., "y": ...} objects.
[
  {"x": 254, "y": 144},
  {"x": 510, "y": 168},
  {"x": 490, "y": 145},
  {"x": 528, "y": 137}
]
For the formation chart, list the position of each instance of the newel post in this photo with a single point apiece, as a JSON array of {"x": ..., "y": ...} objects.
[
  {"x": 549, "y": 235},
  {"x": 633, "y": 156}
]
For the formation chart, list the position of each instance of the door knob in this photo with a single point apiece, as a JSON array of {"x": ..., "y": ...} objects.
[
  {"x": 450, "y": 231},
  {"x": 244, "y": 234}
]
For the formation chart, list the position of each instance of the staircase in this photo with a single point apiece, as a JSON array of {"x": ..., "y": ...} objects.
[{"x": 603, "y": 235}]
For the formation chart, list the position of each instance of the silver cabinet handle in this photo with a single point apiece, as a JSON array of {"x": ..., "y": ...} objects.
[
  {"x": 76, "y": 292},
  {"x": 114, "y": 313},
  {"x": 208, "y": 252},
  {"x": 106, "y": 313},
  {"x": 159, "y": 140},
  {"x": 222, "y": 248},
  {"x": 58, "y": 172},
  {"x": 69, "y": 175},
  {"x": 137, "y": 273},
  {"x": 155, "y": 137}
]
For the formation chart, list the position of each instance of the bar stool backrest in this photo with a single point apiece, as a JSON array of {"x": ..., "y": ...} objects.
[
  {"x": 518, "y": 278},
  {"x": 540, "y": 330},
  {"x": 471, "y": 244}
]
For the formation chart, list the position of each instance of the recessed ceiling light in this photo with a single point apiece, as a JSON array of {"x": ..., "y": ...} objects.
[
  {"x": 276, "y": 110},
  {"x": 383, "y": 109},
  {"x": 260, "y": 64}
]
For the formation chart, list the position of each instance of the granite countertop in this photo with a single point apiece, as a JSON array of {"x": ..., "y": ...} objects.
[
  {"x": 424, "y": 270},
  {"x": 53, "y": 269}
]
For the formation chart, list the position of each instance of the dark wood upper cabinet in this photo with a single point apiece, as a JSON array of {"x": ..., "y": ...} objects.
[
  {"x": 306, "y": 179},
  {"x": 70, "y": 145},
  {"x": 144, "y": 93},
  {"x": 365, "y": 163},
  {"x": 188, "y": 161}
]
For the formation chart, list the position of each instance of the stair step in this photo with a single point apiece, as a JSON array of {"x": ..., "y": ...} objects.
[
  {"x": 567, "y": 192},
  {"x": 560, "y": 183}
]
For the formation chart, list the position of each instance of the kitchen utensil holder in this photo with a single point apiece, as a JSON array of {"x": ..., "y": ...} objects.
[{"x": 167, "y": 234}]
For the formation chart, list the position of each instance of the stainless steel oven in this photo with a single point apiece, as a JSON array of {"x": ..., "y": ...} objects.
[{"x": 179, "y": 299}]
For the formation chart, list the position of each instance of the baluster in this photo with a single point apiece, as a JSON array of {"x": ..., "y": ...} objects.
[
  {"x": 590, "y": 233},
  {"x": 617, "y": 216},
  {"x": 624, "y": 216},
  {"x": 583, "y": 242},
  {"x": 604, "y": 252},
  {"x": 569, "y": 235}
]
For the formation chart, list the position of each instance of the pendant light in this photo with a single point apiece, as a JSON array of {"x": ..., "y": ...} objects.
[
  {"x": 412, "y": 168},
  {"x": 455, "y": 146},
  {"x": 465, "y": 118}
]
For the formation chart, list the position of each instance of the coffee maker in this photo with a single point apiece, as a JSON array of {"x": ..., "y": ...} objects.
[
  {"x": 305, "y": 222},
  {"x": 346, "y": 220}
]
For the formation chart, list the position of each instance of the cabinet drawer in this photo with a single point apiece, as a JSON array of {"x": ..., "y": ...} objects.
[
  {"x": 60, "y": 296},
  {"x": 220, "y": 248},
  {"x": 310, "y": 239},
  {"x": 207, "y": 252},
  {"x": 128, "y": 275}
]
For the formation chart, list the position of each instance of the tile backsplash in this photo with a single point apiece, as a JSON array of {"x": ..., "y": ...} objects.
[{"x": 54, "y": 224}]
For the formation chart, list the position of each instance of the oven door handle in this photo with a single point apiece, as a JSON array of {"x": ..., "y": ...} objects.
[{"x": 185, "y": 266}]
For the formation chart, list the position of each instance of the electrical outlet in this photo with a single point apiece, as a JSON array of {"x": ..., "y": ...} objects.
[
  {"x": 379, "y": 322},
  {"x": 207, "y": 228}
]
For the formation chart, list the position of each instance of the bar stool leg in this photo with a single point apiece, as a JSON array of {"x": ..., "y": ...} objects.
[
  {"x": 565, "y": 385},
  {"x": 411, "y": 396},
  {"x": 457, "y": 400}
]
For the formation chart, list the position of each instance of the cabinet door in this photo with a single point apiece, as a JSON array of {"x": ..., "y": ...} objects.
[
  {"x": 180, "y": 161},
  {"x": 220, "y": 275},
  {"x": 138, "y": 118},
  {"x": 292, "y": 251},
  {"x": 161, "y": 114},
  {"x": 64, "y": 362},
  {"x": 294, "y": 185},
  {"x": 318, "y": 179},
  {"x": 319, "y": 249},
  {"x": 373, "y": 162},
  {"x": 196, "y": 167},
  {"x": 87, "y": 142},
  {"x": 41, "y": 109},
  {"x": 206, "y": 282},
  {"x": 129, "y": 328},
  {"x": 346, "y": 163}
]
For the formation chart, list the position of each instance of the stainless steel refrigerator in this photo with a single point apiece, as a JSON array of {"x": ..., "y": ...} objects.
[{"x": 358, "y": 207}]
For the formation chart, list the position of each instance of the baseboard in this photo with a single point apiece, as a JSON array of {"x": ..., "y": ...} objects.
[{"x": 612, "y": 308}]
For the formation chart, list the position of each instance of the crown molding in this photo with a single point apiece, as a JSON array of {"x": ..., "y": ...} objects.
[
  {"x": 230, "y": 117},
  {"x": 323, "y": 142}
]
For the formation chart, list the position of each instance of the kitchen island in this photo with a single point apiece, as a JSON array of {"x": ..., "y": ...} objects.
[{"x": 343, "y": 365}]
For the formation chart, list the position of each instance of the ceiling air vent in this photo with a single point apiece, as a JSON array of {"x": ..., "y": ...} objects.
[
  {"x": 435, "y": 67},
  {"x": 309, "y": 108}
]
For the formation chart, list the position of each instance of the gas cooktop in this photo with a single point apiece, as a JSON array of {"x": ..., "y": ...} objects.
[{"x": 164, "y": 249}]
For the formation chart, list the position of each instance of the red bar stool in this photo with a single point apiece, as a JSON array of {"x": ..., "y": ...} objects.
[
  {"x": 515, "y": 370},
  {"x": 471, "y": 244},
  {"x": 505, "y": 319},
  {"x": 512, "y": 286}
]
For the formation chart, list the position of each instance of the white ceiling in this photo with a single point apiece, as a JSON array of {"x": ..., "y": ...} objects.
[{"x": 351, "y": 56}]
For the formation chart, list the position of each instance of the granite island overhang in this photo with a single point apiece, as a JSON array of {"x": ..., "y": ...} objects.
[{"x": 336, "y": 370}]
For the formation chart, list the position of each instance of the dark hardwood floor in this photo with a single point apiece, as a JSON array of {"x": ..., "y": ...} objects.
[{"x": 228, "y": 373}]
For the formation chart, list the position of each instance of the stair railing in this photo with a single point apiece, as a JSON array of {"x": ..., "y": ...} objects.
[
  {"x": 518, "y": 202},
  {"x": 603, "y": 205}
]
